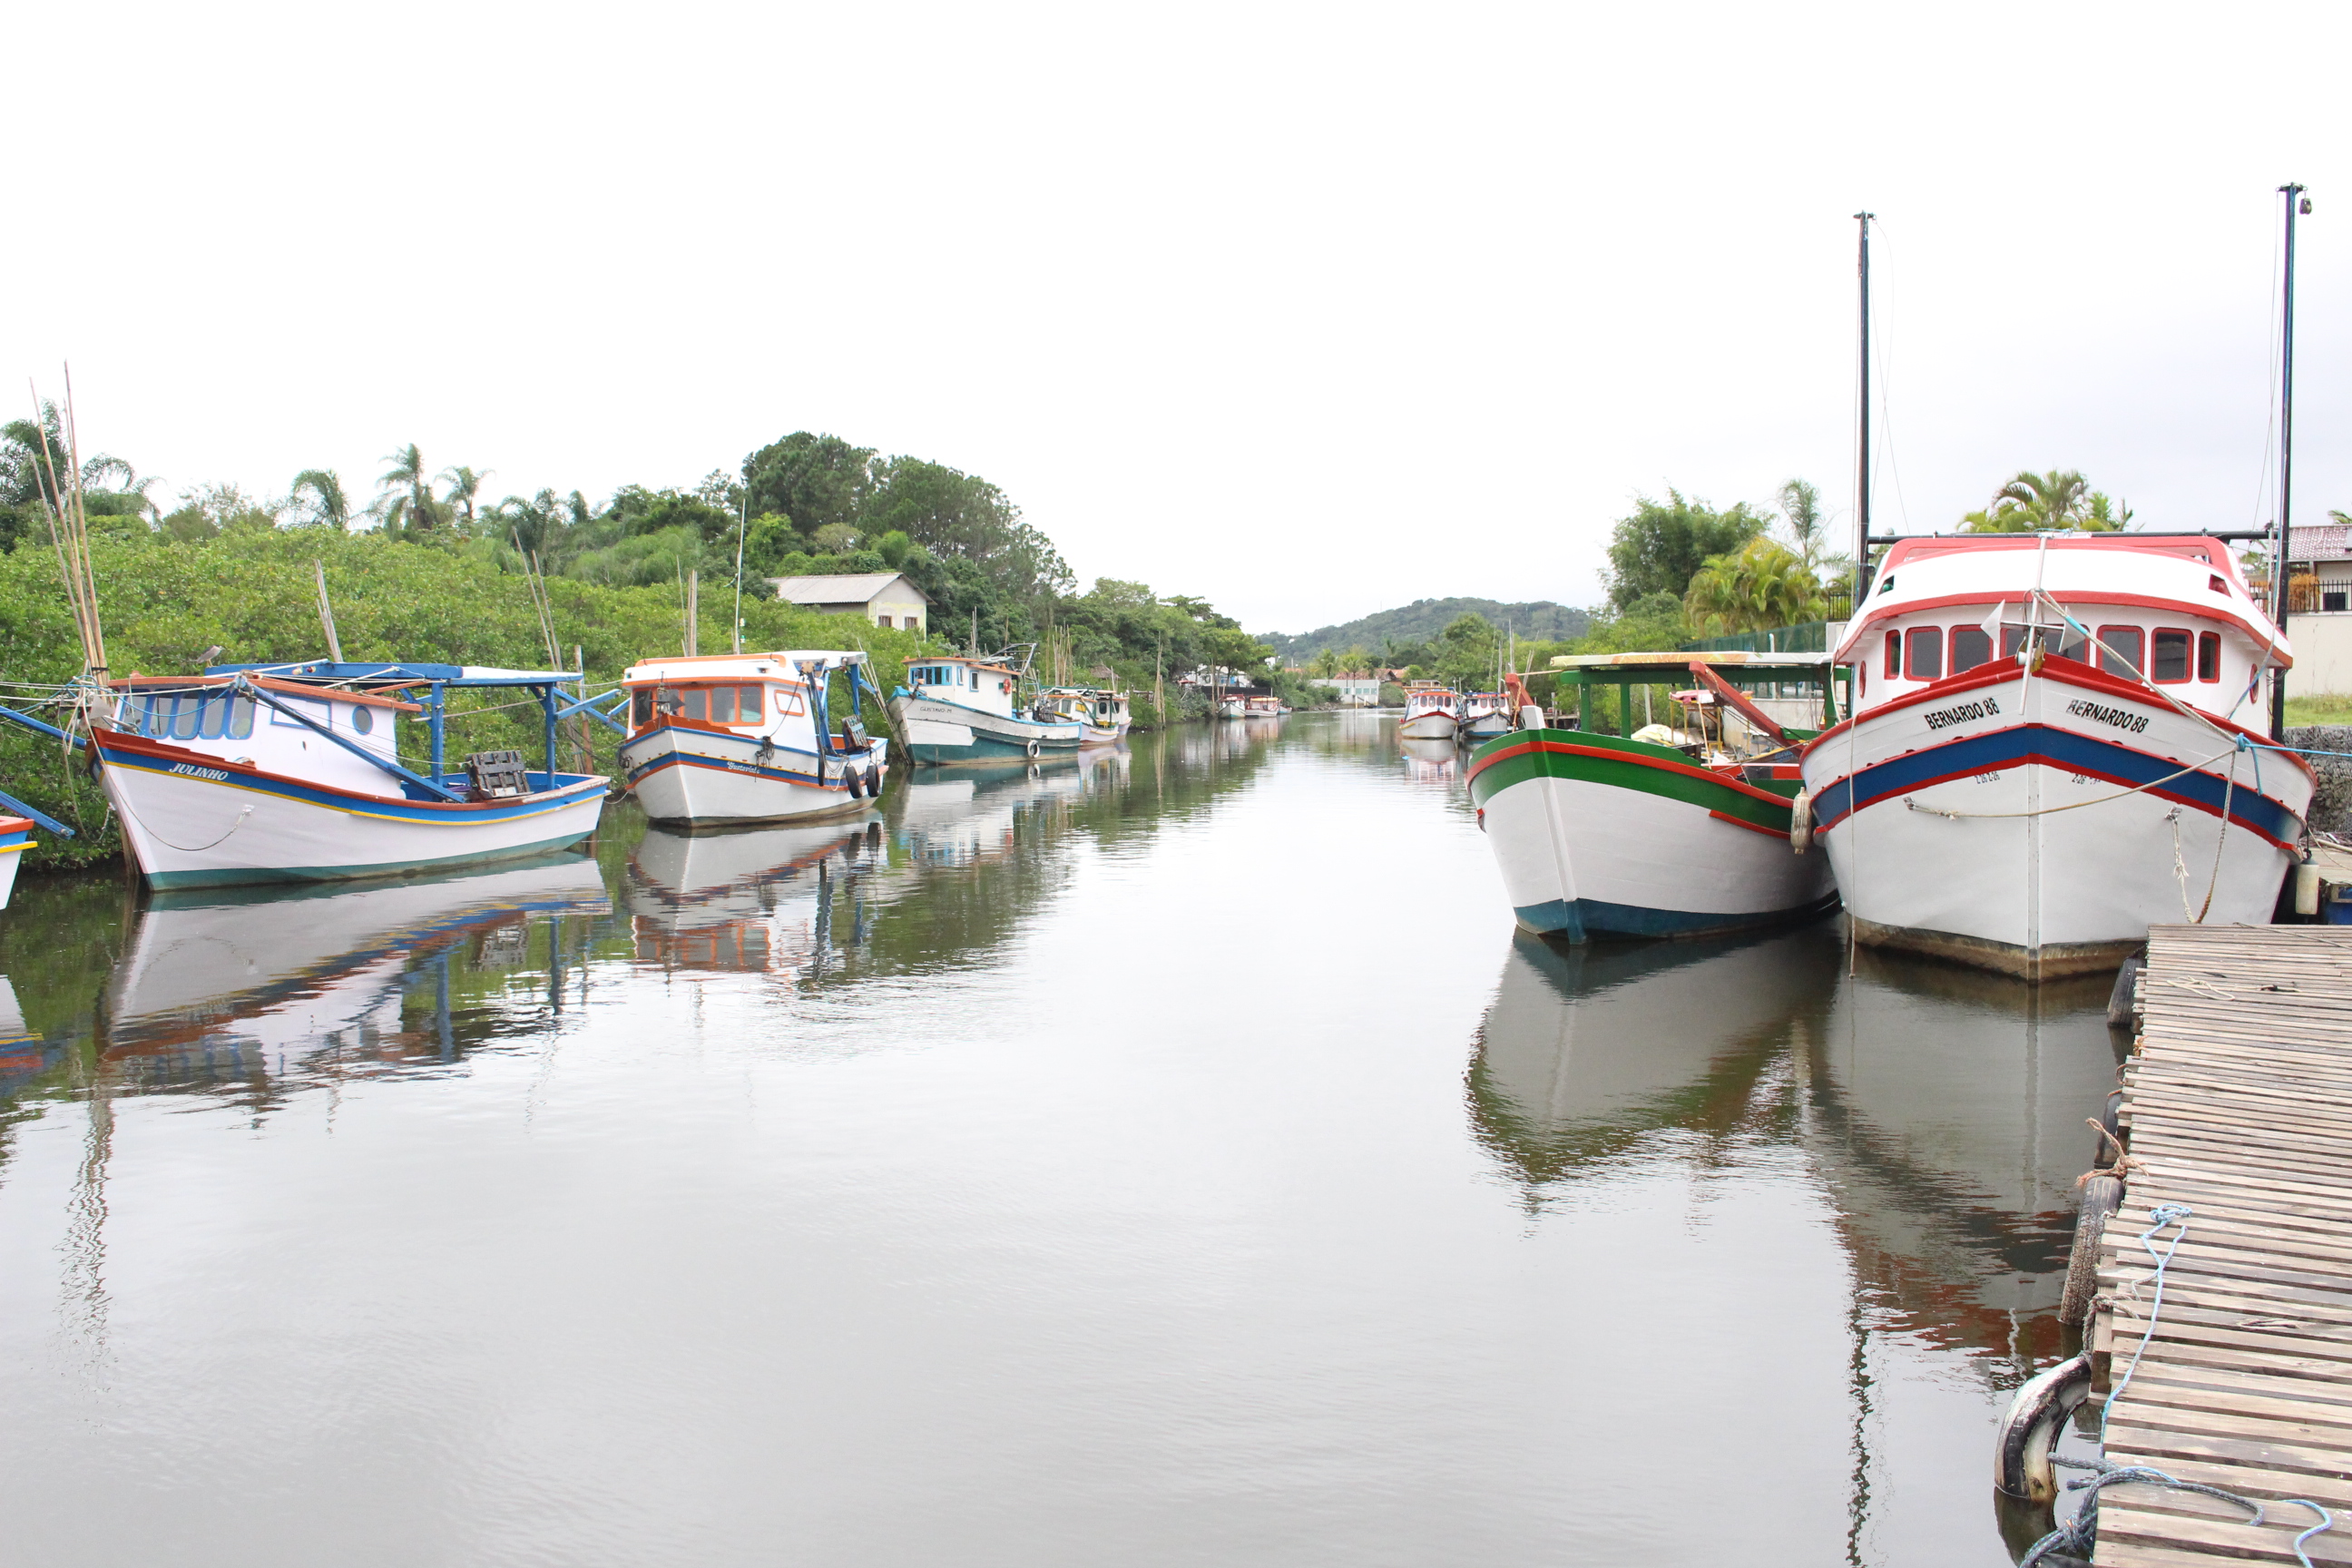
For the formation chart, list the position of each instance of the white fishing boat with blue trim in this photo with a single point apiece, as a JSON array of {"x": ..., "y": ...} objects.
[
  {"x": 291, "y": 773},
  {"x": 744, "y": 738},
  {"x": 1103, "y": 715},
  {"x": 958, "y": 709},
  {"x": 2046, "y": 758}
]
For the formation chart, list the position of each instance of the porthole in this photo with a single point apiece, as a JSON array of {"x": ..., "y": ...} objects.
[{"x": 363, "y": 718}]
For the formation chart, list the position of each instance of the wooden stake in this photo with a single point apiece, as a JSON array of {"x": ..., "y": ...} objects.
[{"x": 327, "y": 613}]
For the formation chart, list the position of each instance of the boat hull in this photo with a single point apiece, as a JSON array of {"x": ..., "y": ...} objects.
[
  {"x": 1602, "y": 837},
  {"x": 682, "y": 774},
  {"x": 1103, "y": 735},
  {"x": 194, "y": 820},
  {"x": 1993, "y": 820},
  {"x": 1484, "y": 727},
  {"x": 945, "y": 732},
  {"x": 16, "y": 838},
  {"x": 1427, "y": 727}
]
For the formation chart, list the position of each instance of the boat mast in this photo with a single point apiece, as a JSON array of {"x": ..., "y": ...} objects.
[
  {"x": 2280, "y": 561},
  {"x": 1862, "y": 475}
]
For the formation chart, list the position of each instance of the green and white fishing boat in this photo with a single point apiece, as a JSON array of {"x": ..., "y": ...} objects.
[{"x": 1675, "y": 833}]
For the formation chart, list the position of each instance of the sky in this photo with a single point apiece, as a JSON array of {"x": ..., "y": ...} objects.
[{"x": 1308, "y": 310}]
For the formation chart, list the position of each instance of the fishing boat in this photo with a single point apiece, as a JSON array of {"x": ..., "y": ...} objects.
[
  {"x": 1233, "y": 707},
  {"x": 1599, "y": 836},
  {"x": 291, "y": 773},
  {"x": 1263, "y": 707},
  {"x": 744, "y": 738},
  {"x": 1485, "y": 715},
  {"x": 16, "y": 838},
  {"x": 958, "y": 709},
  {"x": 1431, "y": 713},
  {"x": 1103, "y": 714},
  {"x": 2044, "y": 757}
]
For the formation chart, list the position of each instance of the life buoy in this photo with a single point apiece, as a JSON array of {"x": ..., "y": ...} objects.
[{"x": 1032, "y": 745}]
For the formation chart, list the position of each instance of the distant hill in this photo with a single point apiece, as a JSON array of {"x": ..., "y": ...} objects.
[{"x": 1540, "y": 620}]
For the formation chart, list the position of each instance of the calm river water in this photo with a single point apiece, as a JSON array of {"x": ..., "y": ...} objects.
[{"x": 1170, "y": 1159}]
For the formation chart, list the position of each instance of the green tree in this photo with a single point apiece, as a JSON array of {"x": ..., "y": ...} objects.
[
  {"x": 812, "y": 479},
  {"x": 1465, "y": 652},
  {"x": 404, "y": 500},
  {"x": 465, "y": 486},
  {"x": 1759, "y": 585},
  {"x": 1662, "y": 546},
  {"x": 318, "y": 501},
  {"x": 2059, "y": 501}
]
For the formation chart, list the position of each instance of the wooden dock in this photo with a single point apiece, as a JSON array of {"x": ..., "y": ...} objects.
[{"x": 2239, "y": 1105}]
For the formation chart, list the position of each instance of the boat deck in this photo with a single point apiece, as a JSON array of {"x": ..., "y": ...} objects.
[{"x": 2239, "y": 1102}]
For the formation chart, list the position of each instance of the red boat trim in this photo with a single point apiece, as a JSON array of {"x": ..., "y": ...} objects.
[
  {"x": 1751, "y": 827},
  {"x": 1664, "y": 767}
]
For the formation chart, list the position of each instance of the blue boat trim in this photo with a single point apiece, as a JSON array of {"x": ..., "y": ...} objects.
[
  {"x": 568, "y": 790},
  {"x": 2064, "y": 749},
  {"x": 1585, "y": 920},
  {"x": 246, "y": 875}
]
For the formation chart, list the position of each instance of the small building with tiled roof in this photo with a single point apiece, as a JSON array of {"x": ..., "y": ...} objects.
[{"x": 886, "y": 599}]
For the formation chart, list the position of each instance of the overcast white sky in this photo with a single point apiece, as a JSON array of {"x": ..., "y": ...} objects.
[{"x": 1311, "y": 309}]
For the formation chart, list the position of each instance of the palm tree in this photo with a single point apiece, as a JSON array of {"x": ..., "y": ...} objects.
[
  {"x": 407, "y": 474},
  {"x": 1801, "y": 505},
  {"x": 1759, "y": 585},
  {"x": 464, "y": 486},
  {"x": 1326, "y": 664},
  {"x": 2031, "y": 503},
  {"x": 327, "y": 507}
]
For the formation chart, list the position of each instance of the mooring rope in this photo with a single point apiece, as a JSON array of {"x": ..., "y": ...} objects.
[
  {"x": 2079, "y": 1536},
  {"x": 2071, "y": 806}
]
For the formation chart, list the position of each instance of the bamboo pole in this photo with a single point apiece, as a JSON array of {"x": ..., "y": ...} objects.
[{"x": 327, "y": 613}]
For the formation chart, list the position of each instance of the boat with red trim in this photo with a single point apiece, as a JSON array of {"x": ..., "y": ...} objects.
[
  {"x": 1431, "y": 713},
  {"x": 291, "y": 773},
  {"x": 721, "y": 739},
  {"x": 2046, "y": 756},
  {"x": 1601, "y": 837}
]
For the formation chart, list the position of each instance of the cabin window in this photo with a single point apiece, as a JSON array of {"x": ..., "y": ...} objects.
[
  {"x": 722, "y": 705},
  {"x": 1970, "y": 647},
  {"x": 363, "y": 718},
  {"x": 1894, "y": 656},
  {"x": 190, "y": 716},
  {"x": 2069, "y": 643},
  {"x": 2208, "y": 656},
  {"x": 2120, "y": 653},
  {"x": 747, "y": 705},
  {"x": 2171, "y": 664},
  {"x": 641, "y": 708},
  {"x": 693, "y": 702},
  {"x": 1923, "y": 652}
]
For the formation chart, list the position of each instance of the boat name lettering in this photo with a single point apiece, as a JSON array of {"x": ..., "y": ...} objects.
[
  {"x": 1961, "y": 713},
  {"x": 195, "y": 771},
  {"x": 2136, "y": 724}
]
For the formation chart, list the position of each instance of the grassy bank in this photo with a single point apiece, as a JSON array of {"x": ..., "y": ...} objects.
[{"x": 254, "y": 597}]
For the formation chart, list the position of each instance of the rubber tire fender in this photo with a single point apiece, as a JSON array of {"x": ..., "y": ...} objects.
[
  {"x": 2029, "y": 1429},
  {"x": 2102, "y": 1196},
  {"x": 1034, "y": 747},
  {"x": 856, "y": 783}
]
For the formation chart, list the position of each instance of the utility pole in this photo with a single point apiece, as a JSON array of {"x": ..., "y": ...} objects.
[
  {"x": 1861, "y": 478},
  {"x": 2280, "y": 558}
]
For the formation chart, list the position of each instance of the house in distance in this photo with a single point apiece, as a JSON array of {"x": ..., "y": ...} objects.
[{"x": 885, "y": 598}]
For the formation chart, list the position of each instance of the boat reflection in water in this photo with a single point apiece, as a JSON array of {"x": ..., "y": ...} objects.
[
  {"x": 775, "y": 898},
  {"x": 1431, "y": 762},
  {"x": 253, "y": 984},
  {"x": 977, "y": 816},
  {"x": 1940, "y": 1110},
  {"x": 1932, "y": 1114}
]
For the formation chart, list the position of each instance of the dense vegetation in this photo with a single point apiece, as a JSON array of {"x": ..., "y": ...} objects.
[
  {"x": 1410, "y": 626},
  {"x": 431, "y": 570}
]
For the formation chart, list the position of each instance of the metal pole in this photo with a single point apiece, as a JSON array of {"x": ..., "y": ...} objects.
[
  {"x": 547, "y": 706},
  {"x": 2281, "y": 560},
  {"x": 743, "y": 522},
  {"x": 1861, "y": 477}
]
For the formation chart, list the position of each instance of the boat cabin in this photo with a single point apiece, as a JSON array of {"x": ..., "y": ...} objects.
[
  {"x": 206, "y": 713},
  {"x": 777, "y": 695},
  {"x": 2173, "y": 610},
  {"x": 979, "y": 683},
  {"x": 1430, "y": 699}
]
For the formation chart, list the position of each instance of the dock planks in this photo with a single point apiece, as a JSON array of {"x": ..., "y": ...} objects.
[{"x": 2239, "y": 1102}]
